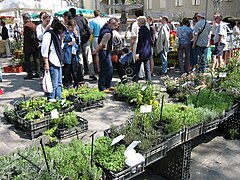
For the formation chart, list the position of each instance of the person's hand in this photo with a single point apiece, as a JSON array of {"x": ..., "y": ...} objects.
[
  {"x": 94, "y": 52},
  {"x": 72, "y": 43},
  {"x": 46, "y": 66},
  {"x": 137, "y": 57},
  {"x": 193, "y": 46}
]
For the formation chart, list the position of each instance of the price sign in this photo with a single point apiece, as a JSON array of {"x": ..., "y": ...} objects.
[
  {"x": 145, "y": 108},
  {"x": 222, "y": 74},
  {"x": 54, "y": 114}
]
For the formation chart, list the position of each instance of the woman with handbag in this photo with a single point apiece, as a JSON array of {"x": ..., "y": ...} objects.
[{"x": 53, "y": 57}]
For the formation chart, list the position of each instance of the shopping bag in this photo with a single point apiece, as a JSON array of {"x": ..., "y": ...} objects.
[{"x": 47, "y": 82}]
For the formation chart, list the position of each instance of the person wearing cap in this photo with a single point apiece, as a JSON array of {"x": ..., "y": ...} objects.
[
  {"x": 201, "y": 40},
  {"x": 163, "y": 43},
  {"x": 220, "y": 40}
]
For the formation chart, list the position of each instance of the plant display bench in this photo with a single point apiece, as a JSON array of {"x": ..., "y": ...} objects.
[{"x": 175, "y": 165}]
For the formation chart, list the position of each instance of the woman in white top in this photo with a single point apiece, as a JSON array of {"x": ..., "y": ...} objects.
[{"x": 53, "y": 56}]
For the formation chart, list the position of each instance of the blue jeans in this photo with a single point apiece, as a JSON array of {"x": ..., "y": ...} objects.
[
  {"x": 199, "y": 56},
  {"x": 106, "y": 70},
  {"x": 163, "y": 59},
  {"x": 56, "y": 77},
  {"x": 146, "y": 70},
  {"x": 184, "y": 64}
]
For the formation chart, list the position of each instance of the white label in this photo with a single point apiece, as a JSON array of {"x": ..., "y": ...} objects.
[
  {"x": 145, "y": 108},
  {"x": 54, "y": 114},
  {"x": 117, "y": 139},
  {"x": 143, "y": 88},
  {"x": 223, "y": 74}
]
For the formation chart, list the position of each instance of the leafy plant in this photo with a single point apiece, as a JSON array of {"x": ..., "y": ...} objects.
[
  {"x": 233, "y": 133},
  {"x": 110, "y": 157}
]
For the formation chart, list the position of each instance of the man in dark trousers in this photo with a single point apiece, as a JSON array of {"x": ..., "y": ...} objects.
[
  {"x": 143, "y": 51},
  {"x": 5, "y": 37},
  {"x": 30, "y": 47},
  {"x": 104, "y": 49},
  {"x": 85, "y": 50}
]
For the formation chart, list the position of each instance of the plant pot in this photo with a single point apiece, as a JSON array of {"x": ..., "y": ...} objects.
[
  {"x": 13, "y": 69},
  {"x": 18, "y": 54},
  {"x": 172, "y": 92}
]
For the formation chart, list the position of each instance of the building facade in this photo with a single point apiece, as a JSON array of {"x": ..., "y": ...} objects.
[{"x": 176, "y": 9}]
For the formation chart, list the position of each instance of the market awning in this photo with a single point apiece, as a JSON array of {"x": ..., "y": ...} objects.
[
  {"x": 60, "y": 12},
  {"x": 30, "y": 5}
]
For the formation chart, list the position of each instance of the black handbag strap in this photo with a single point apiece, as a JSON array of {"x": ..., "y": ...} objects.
[{"x": 202, "y": 28}]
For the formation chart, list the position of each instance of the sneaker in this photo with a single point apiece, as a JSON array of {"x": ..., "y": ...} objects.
[
  {"x": 106, "y": 91},
  {"x": 28, "y": 77},
  {"x": 93, "y": 77},
  {"x": 153, "y": 75},
  {"x": 37, "y": 76}
]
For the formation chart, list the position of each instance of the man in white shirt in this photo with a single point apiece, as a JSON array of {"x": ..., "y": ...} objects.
[
  {"x": 134, "y": 40},
  {"x": 163, "y": 43},
  {"x": 220, "y": 40}
]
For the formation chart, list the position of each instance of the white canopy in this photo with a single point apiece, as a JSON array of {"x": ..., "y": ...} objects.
[{"x": 25, "y": 5}]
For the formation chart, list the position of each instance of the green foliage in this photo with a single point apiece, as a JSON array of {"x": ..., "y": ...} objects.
[
  {"x": 68, "y": 120},
  {"x": 33, "y": 114},
  {"x": 84, "y": 93},
  {"x": 233, "y": 133},
  {"x": 110, "y": 157},
  {"x": 218, "y": 101}
]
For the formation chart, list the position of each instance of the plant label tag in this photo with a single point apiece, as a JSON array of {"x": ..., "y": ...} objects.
[
  {"x": 222, "y": 74},
  {"x": 145, "y": 108},
  {"x": 117, "y": 139},
  {"x": 63, "y": 101},
  {"x": 54, "y": 114},
  {"x": 186, "y": 83},
  {"x": 143, "y": 88},
  {"x": 163, "y": 89}
]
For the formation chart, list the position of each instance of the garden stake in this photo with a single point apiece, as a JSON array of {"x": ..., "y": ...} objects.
[
  {"x": 44, "y": 155},
  {"x": 198, "y": 95},
  {"x": 77, "y": 134},
  {"x": 161, "y": 109},
  {"x": 92, "y": 135},
  {"x": 29, "y": 162},
  {"x": 24, "y": 97}
]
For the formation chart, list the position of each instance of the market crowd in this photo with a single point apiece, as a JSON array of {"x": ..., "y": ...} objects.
[{"x": 74, "y": 47}]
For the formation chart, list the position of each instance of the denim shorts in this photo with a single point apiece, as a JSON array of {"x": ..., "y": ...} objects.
[{"x": 218, "y": 50}]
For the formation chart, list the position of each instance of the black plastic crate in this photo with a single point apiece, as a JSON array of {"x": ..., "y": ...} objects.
[
  {"x": 210, "y": 126},
  {"x": 34, "y": 127},
  {"x": 231, "y": 122},
  {"x": 176, "y": 164},
  {"x": 83, "y": 106},
  {"x": 128, "y": 173},
  {"x": 194, "y": 131},
  {"x": 232, "y": 111},
  {"x": 67, "y": 133},
  {"x": 175, "y": 139},
  {"x": 155, "y": 153}
]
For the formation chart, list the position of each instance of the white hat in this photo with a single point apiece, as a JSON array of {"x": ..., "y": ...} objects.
[{"x": 201, "y": 15}]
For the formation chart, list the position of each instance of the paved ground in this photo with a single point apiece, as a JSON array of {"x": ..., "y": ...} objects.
[{"x": 217, "y": 159}]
